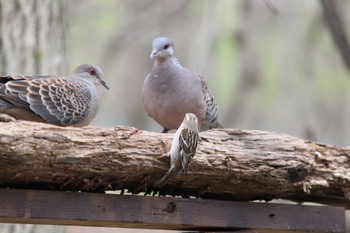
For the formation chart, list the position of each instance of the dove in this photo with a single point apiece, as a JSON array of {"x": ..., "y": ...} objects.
[
  {"x": 59, "y": 100},
  {"x": 170, "y": 91},
  {"x": 183, "y": 148}
]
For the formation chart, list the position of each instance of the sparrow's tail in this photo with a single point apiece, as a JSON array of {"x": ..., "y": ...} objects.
[{"x": 165, "y": 178}]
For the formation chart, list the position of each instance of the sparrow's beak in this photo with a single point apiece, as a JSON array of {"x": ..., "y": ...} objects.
[{"x": 103, "y": 83}]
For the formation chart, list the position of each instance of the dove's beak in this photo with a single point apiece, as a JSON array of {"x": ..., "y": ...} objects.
[
  {"x": 154, "y": 53},
  {"x": 103, "y": 83}
]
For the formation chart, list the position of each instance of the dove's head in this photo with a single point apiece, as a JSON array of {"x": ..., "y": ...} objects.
[
  {"x": 91, "y": 72},
  {"x": 163, "y": 47}
]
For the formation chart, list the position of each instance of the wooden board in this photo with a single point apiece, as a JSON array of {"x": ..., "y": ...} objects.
[{"x": 109, "y": 210}]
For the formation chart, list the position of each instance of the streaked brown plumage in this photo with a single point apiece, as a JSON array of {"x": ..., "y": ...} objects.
[{"x": 183, "y": 148}]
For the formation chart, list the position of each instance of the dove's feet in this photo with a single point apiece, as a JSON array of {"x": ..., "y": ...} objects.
[{"x": 6, "y": 118}]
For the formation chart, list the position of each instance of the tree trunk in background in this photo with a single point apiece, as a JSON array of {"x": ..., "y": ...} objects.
[
  {"x": 32, "y": 41},
  {"x": 32, "y": 37}
]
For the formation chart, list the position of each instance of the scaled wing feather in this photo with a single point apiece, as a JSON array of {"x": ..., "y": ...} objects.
[{"x": 57, "y": 100}]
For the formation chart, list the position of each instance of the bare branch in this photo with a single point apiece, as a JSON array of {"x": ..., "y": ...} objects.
[{"x": 336, "y": 26}]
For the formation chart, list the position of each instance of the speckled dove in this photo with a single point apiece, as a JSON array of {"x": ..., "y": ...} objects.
[
  {"x": 63, "y": 101},
  {"x": 170, "y": 91}
]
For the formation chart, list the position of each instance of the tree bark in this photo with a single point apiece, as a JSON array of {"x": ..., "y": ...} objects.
[
  {"x": 32, "y": 37},
  {"x": 229, "y": 164}
]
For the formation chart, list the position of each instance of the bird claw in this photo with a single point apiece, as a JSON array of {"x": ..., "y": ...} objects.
[{"x": 6, "y": 118}]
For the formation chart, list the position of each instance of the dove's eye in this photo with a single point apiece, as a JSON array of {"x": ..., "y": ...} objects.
[
  {"x": 92, "y": 71},
  {"x": 166, "y": 46}
]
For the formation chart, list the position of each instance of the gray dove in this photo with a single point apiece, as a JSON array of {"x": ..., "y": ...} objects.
[
  {"x": 72, "y": 100},
  {"x": 170, "y": 91}
]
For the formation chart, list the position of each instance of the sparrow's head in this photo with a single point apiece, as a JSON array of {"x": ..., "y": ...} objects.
[{"x": 191, "y": 122}]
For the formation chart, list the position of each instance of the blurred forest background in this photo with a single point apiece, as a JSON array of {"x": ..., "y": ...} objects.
[{"x": 272, "y": 65}]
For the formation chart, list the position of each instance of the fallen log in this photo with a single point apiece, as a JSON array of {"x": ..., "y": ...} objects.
[{"x": 230, "y": 164}]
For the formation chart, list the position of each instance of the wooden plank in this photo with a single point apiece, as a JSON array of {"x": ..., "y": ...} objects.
[{"x": 108, "y": 210}]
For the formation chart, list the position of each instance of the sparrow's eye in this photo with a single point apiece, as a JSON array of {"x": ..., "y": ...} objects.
[{"x": 166, "y": 46}]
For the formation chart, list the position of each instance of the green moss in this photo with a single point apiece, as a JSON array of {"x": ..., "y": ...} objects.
[
  {"x": 227, "y": 75},
  {"x": 37, "y": 55}
]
